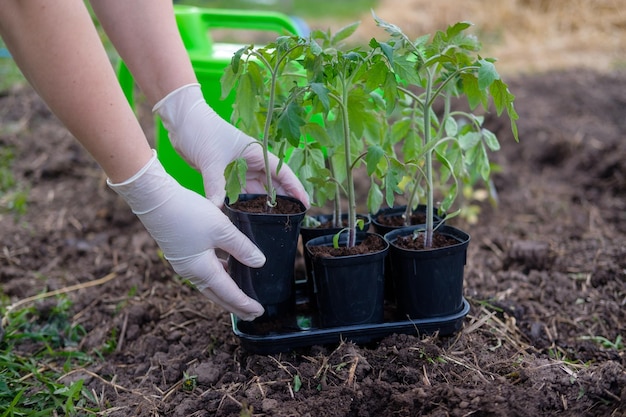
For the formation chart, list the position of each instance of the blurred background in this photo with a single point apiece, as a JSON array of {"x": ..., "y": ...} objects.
[{"x": 526, "y": 36}]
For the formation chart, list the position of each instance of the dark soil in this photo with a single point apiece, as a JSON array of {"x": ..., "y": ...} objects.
[
  {"x": 417, "y": 242},
  {"x": 545, "y": 279},
  {"x": 370, "y": 244},
  {"x": 259, "y": 205}
]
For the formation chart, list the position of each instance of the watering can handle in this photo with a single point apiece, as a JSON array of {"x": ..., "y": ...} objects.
[{"x": 194, "y": 24}]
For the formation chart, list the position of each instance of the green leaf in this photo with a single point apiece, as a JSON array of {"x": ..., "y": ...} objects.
[
  {"x": 344, "y": 33},
  {"x": 385, "y": 48},
  {"x": 491, "y": 140},
  {"x": 236, "y": 59},
  {"x": 297, "y": 383},
  {"x": 321, "y": 91},
  {"x": 227, "y": 82},
  {"x": 451, "y": 126},
  {"x": 246, "y": 100},
  {"x": 316, "y": 133},
  {"x": 393, "y": 177},
  {"x": 474, "y": 94},
  {"x": 456, "y": 29},
  {"x": 289, "y": 123},
  {"x": 374, "y": 198},
  {"x": 235, "y": 175},
  {"x": 487, "y": 74},
  {"x": 406, "y": 71},
  {"x": 390, "y": 28},
  {"x": 469, "y": 140},
  {"x": 372, "y": 158},
  {"x": 501, "y": 95},
  {"x": 376, "y": 76},
  {"x": 483, "y": 161}
]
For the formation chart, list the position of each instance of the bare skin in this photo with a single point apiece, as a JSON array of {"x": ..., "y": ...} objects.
[{"x": 79, "y": 86}]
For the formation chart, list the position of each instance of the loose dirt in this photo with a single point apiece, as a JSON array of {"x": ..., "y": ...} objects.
[{"x": 545, "y": 279}]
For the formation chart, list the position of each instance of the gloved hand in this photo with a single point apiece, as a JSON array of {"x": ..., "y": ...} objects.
[
  {"x": 209, "y": 143},
  {"x": 187, "y": 228}
]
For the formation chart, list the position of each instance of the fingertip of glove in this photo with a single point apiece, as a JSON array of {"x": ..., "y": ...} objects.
[
  {"x": 257, "y": 260},
  {"x": 257, "y": 311}
]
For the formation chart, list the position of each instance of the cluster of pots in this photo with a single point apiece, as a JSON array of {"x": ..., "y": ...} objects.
[{"x": 351, "y": 290}]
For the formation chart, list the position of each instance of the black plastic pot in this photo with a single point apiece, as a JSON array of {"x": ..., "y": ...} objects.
[
  {"x": 428, "y": 283},
  {"x": 308, "y": 233},
  {"x": 276, "y": 235},
  {"x": 383, "y": 229},
  {"x": 350, "y": 289}
]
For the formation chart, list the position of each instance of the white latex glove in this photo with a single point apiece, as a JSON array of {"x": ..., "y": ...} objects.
[
  {"x": 209, "y": 143},
  {"x": 187, "y": 228}
]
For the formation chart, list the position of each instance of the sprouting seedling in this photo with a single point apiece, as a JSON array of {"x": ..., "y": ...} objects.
[
  {"x": 360, "y": 224},
  {"x": 341, "y": 89},
  {"x": 262, "y": 109},
  {"x": 438, "y": 69}
]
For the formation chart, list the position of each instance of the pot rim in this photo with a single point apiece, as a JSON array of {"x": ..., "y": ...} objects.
[{"x": 461, "y": 236}]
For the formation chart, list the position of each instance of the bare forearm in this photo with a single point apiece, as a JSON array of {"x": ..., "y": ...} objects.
[
  {"x": 59, "y": 52},
  {"x": 145, "y": 35}
]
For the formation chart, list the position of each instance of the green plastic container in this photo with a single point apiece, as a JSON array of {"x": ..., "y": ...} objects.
[{"x": 209, "y": 59}]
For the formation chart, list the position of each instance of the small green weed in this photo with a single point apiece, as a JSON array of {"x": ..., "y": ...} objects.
[
  {"x": 38, "y": 348},
  {"x": 13, "y": 196},
  {"x": 618, "y": 344}
]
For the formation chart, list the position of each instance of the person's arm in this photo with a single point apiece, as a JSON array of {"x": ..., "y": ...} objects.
[
  {"x": 59, "y": 52},
  {"x": 145, "y": 34}
]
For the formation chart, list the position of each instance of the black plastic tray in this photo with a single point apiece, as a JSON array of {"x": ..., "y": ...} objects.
[{"x": 299, "y": 336}]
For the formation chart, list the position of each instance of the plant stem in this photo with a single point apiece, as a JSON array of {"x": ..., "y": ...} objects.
[
  {"x": 336, "y": 220},
  {"x": 428, "y": 238},
  {"x": 271, "y": 193},
  {"x": 349, "y": 177}
]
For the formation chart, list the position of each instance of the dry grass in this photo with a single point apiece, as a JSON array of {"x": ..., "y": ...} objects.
[{"x": 526, "y": 36}]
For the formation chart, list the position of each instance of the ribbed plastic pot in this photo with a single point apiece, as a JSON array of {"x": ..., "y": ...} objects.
[
  {"x": 350, "y": 289},
  {"x": 383, "y": 229},
  {"x": 428, "y": 283},
  {"x": 308, "y": 233},
  {"x": 276, "y": 235}
]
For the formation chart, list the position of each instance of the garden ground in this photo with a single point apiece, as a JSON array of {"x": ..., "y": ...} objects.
[{"x": 545, "y": 278}]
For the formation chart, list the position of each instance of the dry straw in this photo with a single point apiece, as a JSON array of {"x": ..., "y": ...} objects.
[{"x": 525, "y": 35}]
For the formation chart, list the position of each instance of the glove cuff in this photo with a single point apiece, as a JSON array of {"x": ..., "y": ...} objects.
[
  {"x": 181, "y": 98},
  {"x": 147, "y": 189}
]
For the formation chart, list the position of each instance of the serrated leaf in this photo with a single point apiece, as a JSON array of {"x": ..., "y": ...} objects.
[
  {"x": 246, "y": 98},
  {"x": 374, "y": 198},
  {"x": 469, "y": 140},
  {"x": 474, "y": 94},
  {"x": 376, "y": 76},
  {"x": 483, "y": 161},
  {"x": 289, "y": 123},
  {"x": 457, "y": 28},
  {"x": 451, "y": 127},
  {"x": 316, "y": 133},
  {"x": 487, "y": 74},
  {"x": 227, "y": 81},
  {"x": 390, "y": 28},
  {"x": 387, "y": 50},
  {"x": 491, "y": 140},
  {"x": 235, "y": 175},
  {"x": 344, "y": 33},
  {"x": 501, "y": 95},
  {"x": 372, "y": 158},
  {"x": 321, "y": 91}
]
